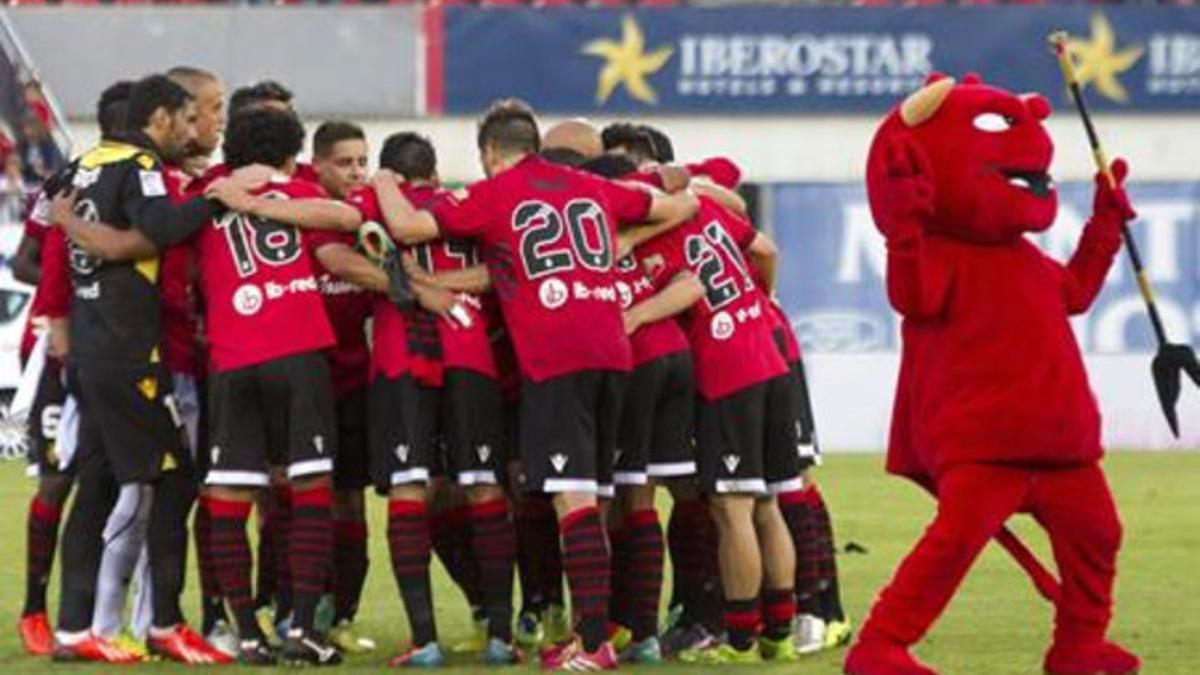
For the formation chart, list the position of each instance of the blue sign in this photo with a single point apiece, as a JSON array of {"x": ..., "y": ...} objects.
[
  {"x": 831, "y": 274},
  {"x": 781, "y": 59}
]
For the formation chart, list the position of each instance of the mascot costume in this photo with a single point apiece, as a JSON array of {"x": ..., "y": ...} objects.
[{"x": 993, "y": 411}]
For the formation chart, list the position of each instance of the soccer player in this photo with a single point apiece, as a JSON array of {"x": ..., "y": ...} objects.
[
  {"x": 270, "y": 393},
  {"x": 124, "y": 536},
  {"x": 746, "y": 436},
  {"x": 184, "y": 355},
  {"x": 468, "y": 405},
  {"x": 129, "y": 433},
  {"x": 340, "y": 160},
  {"x": 54, "y": 479},
  {"x": 547, "y": 234},
  {"x": 654, "y": 443}
]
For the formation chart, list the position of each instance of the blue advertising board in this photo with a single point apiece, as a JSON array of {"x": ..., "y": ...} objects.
[
  {"x": 831, "y": 275},
  {"x": 788, "y": 59}
]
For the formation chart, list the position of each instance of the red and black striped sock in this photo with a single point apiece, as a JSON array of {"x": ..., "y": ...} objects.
[
  {"x": 585, "y": 560},
  {"x": 831, "y": 595},
  {"x": 619, "y": 572},
  {"x": 212, "y": 605},
  {"x": 778, "y": 608},
  {"x": 41, "y": 538},
  {"x": 230, "y": 548},
  {"x": 408, "y": 541},
  {"x": 539, "y": 560},
  {"x": 349, "y": 567},
  {"x": 494, "y": 546},
  {"x": 644, "y": 541},
  {"x": 310, "y": 550},
  {"x": 798, "y": 514},
  {"x": 741, "y": 622},
  {"x": 450, "y": 530},
  {"x": 692, "y": 540}
]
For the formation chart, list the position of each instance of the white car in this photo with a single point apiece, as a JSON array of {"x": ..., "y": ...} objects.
[{"x": 15, "y": 300}]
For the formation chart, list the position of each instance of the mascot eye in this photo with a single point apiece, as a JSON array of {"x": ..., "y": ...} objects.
[{"x": 993, "y": 123}]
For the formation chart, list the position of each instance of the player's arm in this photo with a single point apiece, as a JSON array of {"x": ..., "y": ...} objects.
[
  {"x": 344, "y": 263},
  {"x": 764, "y": 255},
  {"x": 407, "y": 224},
  {"x": 27, "y": 261},
  {"x": 99, "y": 239},
  {"x": 306, "y": 213},
  {"x": 150, "y": 210},
  {"x": 724, "y": 196},
  {"x": 679, "y": 295},
  {"x": 55, "y": 290},
  {"x": 474, "y": 280}
]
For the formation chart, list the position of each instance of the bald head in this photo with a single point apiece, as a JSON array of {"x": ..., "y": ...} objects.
[{"x": 576, "y": 135}]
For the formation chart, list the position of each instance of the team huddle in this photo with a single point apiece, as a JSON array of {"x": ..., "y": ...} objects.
[{"x": 516, "y": 366}]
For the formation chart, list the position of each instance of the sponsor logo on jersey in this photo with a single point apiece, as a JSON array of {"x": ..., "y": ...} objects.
[
  {"x": 553, "y": 293},
  {"x": 485, "y": 452},
  {"x": 722, "y": 326},
  {"x": 402, "y": 453},
  {"x": 153, "y": 184},
  {"x": 731, "y": 462},
  {"x": 248, "y": 300}
]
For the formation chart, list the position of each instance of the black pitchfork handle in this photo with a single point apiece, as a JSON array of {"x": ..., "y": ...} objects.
[{"x": 1058, "y": 41}]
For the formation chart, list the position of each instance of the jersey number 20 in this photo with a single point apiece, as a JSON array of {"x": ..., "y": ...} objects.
[{"x": 589, "y": 240}]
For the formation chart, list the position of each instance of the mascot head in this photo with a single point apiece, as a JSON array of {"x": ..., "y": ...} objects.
[{"x": 988, "y": 153}]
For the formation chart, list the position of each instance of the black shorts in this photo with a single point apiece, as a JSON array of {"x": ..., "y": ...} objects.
[
  {"x": 471, "y": 419},
  {"x": 810, "y": 447},
  {"x": 402, "y": 427},
  {"x": 569, "y": 431},
  {"x": 274, "y": 413},
  {"x": 351, "y": 467},
  {"x": 746, "y": 443},
  {"x": 655, "y": 438},
  {"x": 42, "y": 425},
  {"x": 127, "y": 414}
]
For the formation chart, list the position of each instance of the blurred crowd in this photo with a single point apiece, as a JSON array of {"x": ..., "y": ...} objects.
[{"x": 28, "y": 154}]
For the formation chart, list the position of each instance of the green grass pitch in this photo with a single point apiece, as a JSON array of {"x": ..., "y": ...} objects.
[{"x": 996, "y": 626}]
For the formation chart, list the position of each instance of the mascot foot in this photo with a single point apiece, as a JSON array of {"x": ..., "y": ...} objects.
[
  {"x": 880, "y": 657},
  {"x": 1104, "y": 658}
]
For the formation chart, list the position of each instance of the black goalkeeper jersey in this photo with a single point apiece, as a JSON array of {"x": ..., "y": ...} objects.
[{"x": 115, "y": 313}]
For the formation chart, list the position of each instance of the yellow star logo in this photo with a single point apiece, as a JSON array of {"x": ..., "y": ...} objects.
[
  {"x": 627, "y": 63},
  {"x": 1097, "y": 61}
]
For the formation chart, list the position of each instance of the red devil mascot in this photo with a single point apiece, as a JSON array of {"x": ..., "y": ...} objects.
[{"x": 993, "y": 411}]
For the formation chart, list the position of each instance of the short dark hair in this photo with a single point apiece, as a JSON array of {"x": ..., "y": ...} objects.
[
  {"x": 610, "y": 166},
  {"x": 251, "y": 95},
  {"x": 151, "y": 93},
  {"x": 664, "y": 150},
  {"x": 112, "y": 110},
  {"x": 564, "y": 156},
  {"x": 190, "y": 77},
  {"x": 629, "y": 138},
  {"x": 509, "y": 126},
  {"x": 333, "y": 132},
  {"x": 409, "y": 154},
  {"x": 263, "y": 136}
]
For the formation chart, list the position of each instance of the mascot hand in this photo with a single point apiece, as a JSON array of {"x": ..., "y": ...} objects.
[
  {"x": 1111, "y": 205},
  {"x": 906, "y": 190}
]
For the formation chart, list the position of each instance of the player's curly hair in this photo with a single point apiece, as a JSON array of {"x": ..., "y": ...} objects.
[
  {"x": 409, "y": 154},
  {"x": 630, "y": 139},
  {"x": 263, "y": 136},
  {"x": 510, "y": 127},
  {"x": 253, "y": 95}
]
